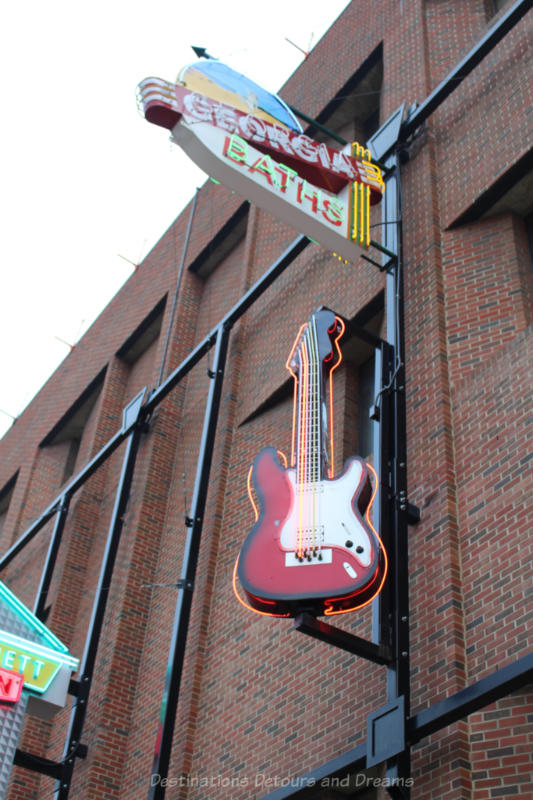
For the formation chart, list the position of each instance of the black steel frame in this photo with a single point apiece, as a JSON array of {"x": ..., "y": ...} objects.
[{"x": 391, "y": 613}]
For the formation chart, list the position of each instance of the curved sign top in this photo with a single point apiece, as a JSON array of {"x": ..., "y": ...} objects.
[{"x": 249, "y": 140}]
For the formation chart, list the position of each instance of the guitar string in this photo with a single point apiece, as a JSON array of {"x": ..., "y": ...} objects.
[
  {"x": 302, "y": 439},
  {"x": 311, "y": 489},
  {"x": 309, "y": 437},
  {"x": 315, "y": 436},
  {"x": 308, "y": 455}
]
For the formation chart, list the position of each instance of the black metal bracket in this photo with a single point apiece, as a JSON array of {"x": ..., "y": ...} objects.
[
  {"x": 381, "y": 267},
  {"x": 35, "y": 763},
  {"x": 413, "y": 514},
  {"x": 445, "y": 712},
  {"x": 378, "y": 653},
  {"x": 385, "y": 732},
  {"x": 384, "y": 250},
  {"x": 82, "y": 750}
]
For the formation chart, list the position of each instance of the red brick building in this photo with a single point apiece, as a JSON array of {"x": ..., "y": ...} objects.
[{"x": 264, "y": 710}]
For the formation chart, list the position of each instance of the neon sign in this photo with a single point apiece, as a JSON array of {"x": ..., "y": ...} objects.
[
  {"x": 313, "y": 545},
  {"x": 264, "y": 156},
  {"x": 37, "y": 663},
  {"x": 10, "y": 686}
]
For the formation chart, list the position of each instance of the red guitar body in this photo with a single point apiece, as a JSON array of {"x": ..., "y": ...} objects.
[
  {"x": 275, "y": 581},
  {"x": 313, "y": 547}
]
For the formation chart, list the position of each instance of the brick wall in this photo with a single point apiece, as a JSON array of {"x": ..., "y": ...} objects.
[{"x": 260, "y": 703}]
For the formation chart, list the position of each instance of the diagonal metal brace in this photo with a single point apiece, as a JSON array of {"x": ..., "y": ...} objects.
[{"x": 306, "y": 623}]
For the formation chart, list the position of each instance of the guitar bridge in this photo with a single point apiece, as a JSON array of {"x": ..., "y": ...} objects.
[{"x": 323, "y": 556}]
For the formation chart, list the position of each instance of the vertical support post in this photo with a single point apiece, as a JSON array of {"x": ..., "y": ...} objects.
[
  {"x": 398, "y": 674},
  {"x": 382, "y": 607},
  {"x": 176, "y": 655},
  {"x": 53, "y": 549},
  {"x": 79, "y": 710}
]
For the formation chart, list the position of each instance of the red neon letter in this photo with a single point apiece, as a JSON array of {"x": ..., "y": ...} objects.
[
  {"x": 308, "y": 192},
  {"x": 333, "y": 211},
  {"x": 235, "y": 148},
  {"x": 264, "y": 166},
  {"x": 286, "y": 173}
]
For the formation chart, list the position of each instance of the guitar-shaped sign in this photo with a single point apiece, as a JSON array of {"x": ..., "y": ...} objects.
[{"x": 313, "y": 547}]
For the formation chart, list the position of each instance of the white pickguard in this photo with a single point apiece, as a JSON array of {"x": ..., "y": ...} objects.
[{"x": 321, "y": 515}]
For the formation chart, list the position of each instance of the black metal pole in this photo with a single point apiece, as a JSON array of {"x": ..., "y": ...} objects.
[
  {"x": 478, "y": 695},
  {"x": 318, "y": 125},
  {"x": 68, "y": 491},
  {"x": 229, "y": 319},
  {"x": 53, "y": 549},
  {"x": 398, "y": 678},
  {"x": 176, "y": 655},
  {"x": 77, "y": 717},
  {"x": 450, "y": 83},
  {"x": 157, "y": 396}
]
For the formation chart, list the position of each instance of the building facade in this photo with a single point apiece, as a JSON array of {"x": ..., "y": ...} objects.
[{"x": 263, "y": 710}]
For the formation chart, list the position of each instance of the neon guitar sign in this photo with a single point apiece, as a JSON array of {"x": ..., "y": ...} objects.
[{"x": 313, "y": 546}]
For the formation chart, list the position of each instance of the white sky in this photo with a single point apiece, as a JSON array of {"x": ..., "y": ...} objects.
[{"x": 84, "y": 179}]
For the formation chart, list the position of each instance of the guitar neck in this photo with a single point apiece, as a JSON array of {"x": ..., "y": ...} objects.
[{"x": 311, "y": 450}]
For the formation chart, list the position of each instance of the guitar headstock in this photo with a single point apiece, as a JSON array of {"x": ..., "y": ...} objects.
[{"x": 321, "y": 334}]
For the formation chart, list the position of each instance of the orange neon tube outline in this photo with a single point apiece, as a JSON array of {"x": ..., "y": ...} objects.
[
  {"x": 304, "y": 386},
  {"x": 245, "y": 604},
  {"x": 250, "y": 495},
  {"x": 295, "y": 400},
  {"x": 334, "y": 367},
  {"x": 295, "y": 397},
  {"x": 367, "y": 242}
]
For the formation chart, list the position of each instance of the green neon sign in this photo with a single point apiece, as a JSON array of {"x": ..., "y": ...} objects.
[
  {"x": 37, "y": 662},
  {"x": 39, "y": 665}
]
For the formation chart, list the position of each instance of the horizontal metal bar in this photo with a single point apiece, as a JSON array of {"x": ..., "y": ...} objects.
[
  {"x": 352, "y": 329},
  {"x": 279, "y": 266},
  {"x": 29, "y": 534},
  {"x": 227, "y": 321},
  {"x": 464, "y": 702},
  {"x": 37, "y": 764},
  {"x": 459, "y": 705},
  {"x": 305, "y": 623},
  {"x": 179, "y": 373},
  {"x": 157, "y": 396},
  {"x": 381, "y": 268},
  {"x": 349, "y": 762},
  {"x": 494, "y": 35},
  {"x": 68, "y": 491},
  {"x": 340, "y": 139},
  {"x": 318, "y": 125},
  {"x": 382, "y": 249}
]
